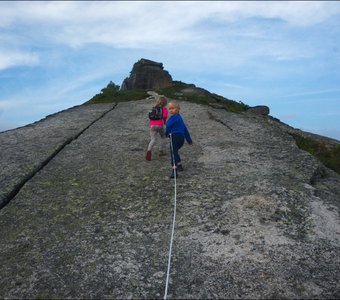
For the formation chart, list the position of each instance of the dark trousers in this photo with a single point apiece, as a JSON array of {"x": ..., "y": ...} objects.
[{"x": 177, "y": 141}]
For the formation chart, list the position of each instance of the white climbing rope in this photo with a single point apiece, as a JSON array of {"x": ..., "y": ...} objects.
[{"x": 173, "y": 221}]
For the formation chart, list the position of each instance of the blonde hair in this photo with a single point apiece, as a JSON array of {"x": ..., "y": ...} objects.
[
  {"x": 161, "y": 101},
  {"x": 176, "y": 104}
]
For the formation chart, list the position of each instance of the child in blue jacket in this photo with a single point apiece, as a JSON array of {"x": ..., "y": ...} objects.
[{"x": 176, "y": 129}]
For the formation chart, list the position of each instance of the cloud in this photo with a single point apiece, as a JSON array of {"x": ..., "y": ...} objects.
[
  {"x": 295, "y": 13},
  {"x": 200, "y": 28},
  {"x": 17, "y": 58},
  {"x": 139, "y": 23},
  {"x": 51, "y": 95},
  {"x": 232, "y": 85}
]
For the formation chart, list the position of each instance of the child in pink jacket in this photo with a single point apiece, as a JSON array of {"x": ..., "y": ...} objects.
[{"x": 157, "y": 127}]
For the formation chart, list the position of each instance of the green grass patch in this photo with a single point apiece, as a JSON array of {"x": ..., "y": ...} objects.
[
  {"x": 330, "y": 157},
  {"x": 111, "y": 93},
  {"x": 191, "y": 93},
  {"x": 179, "y": 91}
]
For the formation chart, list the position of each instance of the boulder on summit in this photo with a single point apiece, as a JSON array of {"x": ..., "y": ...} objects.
[{"x": 147, "y": 74}]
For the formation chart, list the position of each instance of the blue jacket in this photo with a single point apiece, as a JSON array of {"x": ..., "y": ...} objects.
[{"x": 175, "y": 124}]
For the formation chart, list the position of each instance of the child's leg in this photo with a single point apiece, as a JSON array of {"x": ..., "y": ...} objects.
[
  {"x": 153, "y": 134},
  {"x": 177, "y": 143}
]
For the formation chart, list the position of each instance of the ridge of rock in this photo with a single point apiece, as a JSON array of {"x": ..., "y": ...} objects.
[{"x": 257, "y": 217}]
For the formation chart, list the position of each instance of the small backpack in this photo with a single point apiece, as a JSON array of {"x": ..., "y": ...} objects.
[{"x": 156, "y": 113}]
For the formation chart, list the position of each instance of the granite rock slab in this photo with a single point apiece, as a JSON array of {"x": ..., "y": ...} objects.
[
  {"x": 25, "y": 150},
  {"x": 256, "y": 216}
]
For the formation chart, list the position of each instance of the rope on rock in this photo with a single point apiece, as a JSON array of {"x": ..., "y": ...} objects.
[{"x": 173, "y": 221}]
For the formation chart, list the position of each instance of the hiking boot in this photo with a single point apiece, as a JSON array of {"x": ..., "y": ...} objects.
[
  {"x": 148, "y": 155},
  {"x": 179, "y": 168}
]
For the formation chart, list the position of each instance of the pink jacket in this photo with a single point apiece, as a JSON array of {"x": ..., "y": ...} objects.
[{"x": 160, "y": 122}]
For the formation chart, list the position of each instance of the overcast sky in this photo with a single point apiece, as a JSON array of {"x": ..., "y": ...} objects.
[{"x": 55, "y": 55}]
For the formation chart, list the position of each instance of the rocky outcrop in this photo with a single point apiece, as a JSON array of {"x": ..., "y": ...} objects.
[
  {"x": 259, "y": 109},
  {"x": 147, "y": 75},
  {"x": 256, "y": 216}
]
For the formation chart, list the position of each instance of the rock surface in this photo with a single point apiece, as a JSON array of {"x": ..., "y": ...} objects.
[
  {"x": 259, "y": 109},
  {"x": 256, "y": 216},
  {"x": 26, "y": 150},
  {"x": 147, "y": 74}
]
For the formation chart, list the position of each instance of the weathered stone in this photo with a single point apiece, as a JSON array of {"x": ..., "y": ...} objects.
[
  {"x": 257, "y": 217},
  {"x": 147, "y": 74},
  {"x": 217, "y": 105},
  {"x": 259, "y": 109},
  {"x": 24, "y": 151}
]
